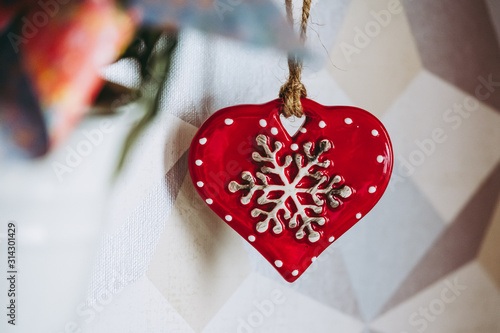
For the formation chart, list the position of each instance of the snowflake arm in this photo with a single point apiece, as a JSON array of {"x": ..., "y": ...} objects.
[
  {"x": 331, "y": 192},
  {"x": 271, "y": 158},
  {"x": 263, "y": 226},
  {"x": 252, "y": 186}
]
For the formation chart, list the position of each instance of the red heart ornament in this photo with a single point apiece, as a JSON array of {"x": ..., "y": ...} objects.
[{"x": 291, "y": 197}]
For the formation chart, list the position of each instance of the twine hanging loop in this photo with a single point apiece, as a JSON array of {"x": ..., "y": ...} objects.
[{"x": 293, "y": 90}]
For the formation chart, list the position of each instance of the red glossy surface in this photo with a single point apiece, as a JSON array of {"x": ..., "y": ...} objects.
[{"x": 361, "y": 155}]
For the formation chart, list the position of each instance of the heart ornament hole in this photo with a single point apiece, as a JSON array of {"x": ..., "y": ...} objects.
[{"x": 292, "y": 124}]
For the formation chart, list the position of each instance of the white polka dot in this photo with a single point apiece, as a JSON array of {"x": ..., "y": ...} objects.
[
  {"x": 274, "y": 131},
  {"x": 322, "y": 124},
  {"x": 348, "y": 121},
  {"x": 331, "y": 239},
  {"x": 228, "y": 218},
  {"x": 198, "y": 162},
  {"x": 303, "y": 130},
  {"x": 200, "y": 184},
  {"x": 251, "y": 238},
  {"x": 380, "y": 158},
  {"x": 278, "y": 263},
  {"x": 295, "y": 273},
  {"x": 313, "y": 259},
  {"x": 229, "y": 121},
  {"x": 203, "y": 141},
  {"x": 209, "y": 201},
  {"x": 294, "y": 146},
  {"x": 372, "y": 189},
  {"x": 374, "y": 132},
  {"x": 263, "y": 123},
  {"x": 358, "y": 216}
]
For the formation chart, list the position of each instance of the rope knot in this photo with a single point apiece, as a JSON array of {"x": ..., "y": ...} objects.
[{"x": 291, "y": 93}]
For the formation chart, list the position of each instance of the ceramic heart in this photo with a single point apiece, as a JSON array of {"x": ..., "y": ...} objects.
[{"x": 291, "y": 197}]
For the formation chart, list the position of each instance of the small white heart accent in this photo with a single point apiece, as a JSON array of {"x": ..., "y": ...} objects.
[{"x": 292, "y": 124}]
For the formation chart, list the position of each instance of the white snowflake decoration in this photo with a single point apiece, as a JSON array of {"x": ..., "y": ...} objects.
[{"x": 290, "y": 188}]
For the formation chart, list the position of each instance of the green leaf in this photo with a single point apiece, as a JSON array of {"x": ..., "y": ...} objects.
[{"x": 155, "y": 77}]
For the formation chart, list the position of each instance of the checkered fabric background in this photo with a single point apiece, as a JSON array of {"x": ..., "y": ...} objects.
[{"x": 425, "y": 259}]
